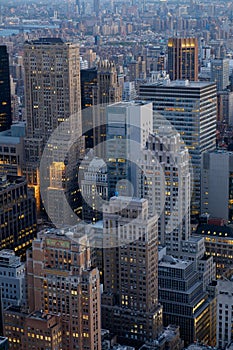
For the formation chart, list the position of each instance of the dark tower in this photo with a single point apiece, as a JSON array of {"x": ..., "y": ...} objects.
[
  {"x": 5, "y": 90},
  {"x": 183, "y": 59}
]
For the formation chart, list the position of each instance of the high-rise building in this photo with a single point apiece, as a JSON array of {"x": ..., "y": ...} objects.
[
  {"x": 38, "y": 330},
  {"x": 128, "y": 127},
  {"x": 180, "y": 104},
  {"x": 18, "y": 215},
  {"x": 12, "y": 149},
  {"x": 179, "y": 282},
  {"x": 165, "y": 182},
  {"x": 88, "y": 82},
  {"x": 217, "y": 184},
  {"x": 12, "y": 279},
  {"x": 5, "y": 90},
  {"x": 183, "y": 58},
  {"x": 130, "y": 307},
  {"x": 52, "y": 96},
  {"x": 52, "y": 85},
  {"x": 107, "y": 91},
  {"x": 220, "y": 73},
  {"x": 94, "y": 188},
  {"x": 69, "y": 287},
  {"x": 224, "y": 312},
  {"x": 88, "y": 86},
  {"x": 218, "y": 243}
]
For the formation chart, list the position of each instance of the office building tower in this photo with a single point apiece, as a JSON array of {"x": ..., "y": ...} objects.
[
  {"x": 38, "y": 330},
  {"x": 5, "y": 90},
  {"x": 88, "y": 84},
  {"x": 107, "y": 91},
  {"x": 18, "y": 215},
  {"x": 128, "y": 127},
  {"x": 165, "y": 181},
  {"x": 183, "y": 59},
  {"x": 12, "y": 279},
  {"x": 179, "y": 281},
  {"x": 220, "y": 73},
  {"x": 130, "y": 307},
  {"x": 94, "y": 188},
  {"x": 217, "y": 184},
  {"x": 52, "y": 96},
  {"x": 12, "y": 149},
  {"x": 225, "y": 107},
  {"x": 180, "y": 104},
  {"x": 218, "y": 243},
  {"x": 52, "y": 85},
  {"x": 69, "y": 287},
  {"x": 224, "y": 312}
]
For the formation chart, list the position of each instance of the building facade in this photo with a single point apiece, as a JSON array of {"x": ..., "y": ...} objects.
[
  {"x": 184, "y": 300},
  {"x": 183, "y": 58},
  {"x": 18, "y": 215},
  {"x": 220, "y": 73},
  {"x": 52, "y": 96},
  {"x": 165, "y": 182},
  {"x": 191, "y": 108},
  {"x": 12, "y": 149},
  {"x": 36, "y": 330},
  {"x": 217, "y": 185},
  {"x": 69, "y": 287},
  {"x": 224, "y": 313},
  {"x": 128, "y": 127},
  {"x": 5, "y": 90},
  {"x": 130, "y": 307},
  {"x": 12, "y": 279}
]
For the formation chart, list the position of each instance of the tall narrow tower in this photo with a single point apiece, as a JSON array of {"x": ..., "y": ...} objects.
[
  {"x": 107, "y": 91},
  {"x": 5, "y": 90},
  {"x": 166, "y": 184},
  {"x": 52, "y": 91},
  {"x": 183, "y": 58}
]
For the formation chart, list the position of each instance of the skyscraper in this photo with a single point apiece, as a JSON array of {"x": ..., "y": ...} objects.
[
  {"x": 217, "y": 184},
  {"x": 5, "y": 90},
  {"x": 180, "y": 103},
  {"x": 52, "y": 91},
  {"x": 220, "y": 73},
  {"x": 52, "y": 85},
  {"x": 88, "y": 87},
  {"x": 179, "y": 281},
  {"x": 130, "y": 306},
  {"x": 107, "y": 91},
  {"x": 69, "y": 287},
  {"x": 183, "y": 58},
  {"x": 224, "y": 312},
  {"x": 165, "y": 183},
  {"x": 18, "y": 215},
  {"x": 128, "y": 127}
]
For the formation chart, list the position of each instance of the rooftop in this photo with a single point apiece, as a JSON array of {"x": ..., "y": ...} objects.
[
  {"x": 170, "y": 261},
  {"x": 181, "y": 84},
  {"x": 129, "y": 104},
  {"x": 45, "y": 41}
]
